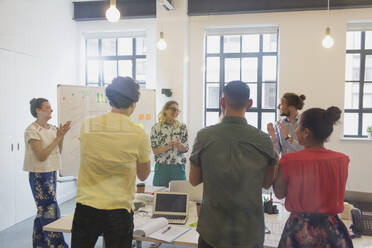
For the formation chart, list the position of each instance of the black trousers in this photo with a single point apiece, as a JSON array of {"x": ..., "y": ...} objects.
[
  {"x": 115, "y": 225},
  {"x": 203, "y": 244}
]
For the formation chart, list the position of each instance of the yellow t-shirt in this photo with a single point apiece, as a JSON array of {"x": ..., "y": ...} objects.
[{"x": 110, "y": 147}]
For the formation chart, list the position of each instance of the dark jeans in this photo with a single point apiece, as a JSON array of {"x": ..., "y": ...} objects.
[
  {"x": 203, "y": 244},
  {"x": 115, "y": 225}
]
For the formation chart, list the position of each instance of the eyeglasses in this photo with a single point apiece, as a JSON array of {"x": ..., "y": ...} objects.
[{"x": 175, "y": 110}]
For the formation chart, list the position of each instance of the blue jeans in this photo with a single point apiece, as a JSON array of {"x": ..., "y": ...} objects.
[{"x": 43, "y": 187}]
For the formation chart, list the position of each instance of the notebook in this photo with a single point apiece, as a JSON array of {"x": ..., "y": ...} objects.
[
  {"x": 172, "y": 206},
  {"x": 160, "y": 229}
]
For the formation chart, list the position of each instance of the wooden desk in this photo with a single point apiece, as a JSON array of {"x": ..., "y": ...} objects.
[
  {"x": 64, "y": 224},
  {"x": 275, "y": 223}
]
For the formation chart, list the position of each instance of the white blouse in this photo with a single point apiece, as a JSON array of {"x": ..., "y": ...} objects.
[{"x": 46, "y": 137}]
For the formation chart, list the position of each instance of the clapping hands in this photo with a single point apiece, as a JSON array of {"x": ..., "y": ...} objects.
[
  {"x": 63, "y": 129},
  {"x": 175, "y": 144}
]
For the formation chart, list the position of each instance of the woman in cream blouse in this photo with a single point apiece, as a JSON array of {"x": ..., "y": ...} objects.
[{"x": 43, "y": 144}]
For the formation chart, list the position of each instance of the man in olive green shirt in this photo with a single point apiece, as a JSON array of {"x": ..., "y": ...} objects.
[{"x": 234, "y": 160}]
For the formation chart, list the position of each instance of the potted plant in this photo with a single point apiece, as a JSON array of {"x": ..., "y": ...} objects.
[{"x": 369, "y": 131}]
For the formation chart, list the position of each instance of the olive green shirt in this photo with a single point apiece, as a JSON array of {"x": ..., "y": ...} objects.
[{"x": 233, "y": 157}]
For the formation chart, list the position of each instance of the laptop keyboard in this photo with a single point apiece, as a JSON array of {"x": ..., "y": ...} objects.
[
  {"x": 172, "y": 219},
  {"x": 169, "y": 217}
]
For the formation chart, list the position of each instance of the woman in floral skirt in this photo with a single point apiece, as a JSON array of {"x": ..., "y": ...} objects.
[
  {"x": 313, "y": 181},
  {"x": 43, "y": 144}
]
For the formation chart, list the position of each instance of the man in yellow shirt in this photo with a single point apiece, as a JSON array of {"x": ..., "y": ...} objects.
[{"x": 113, "y": 151}]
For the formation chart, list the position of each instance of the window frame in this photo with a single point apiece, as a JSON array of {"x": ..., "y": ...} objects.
[
  {"x": 259, "y": 55},
  {"x": 116, "y": 57},
  {"x": 363, "y": 52}
]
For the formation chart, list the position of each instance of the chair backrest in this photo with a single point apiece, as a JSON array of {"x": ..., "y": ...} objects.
[{"x": 195, "y": 193}]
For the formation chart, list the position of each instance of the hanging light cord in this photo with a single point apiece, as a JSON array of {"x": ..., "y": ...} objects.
[
  {"x": 328, "y": 30},
  {"x": 328, "y": 8}
]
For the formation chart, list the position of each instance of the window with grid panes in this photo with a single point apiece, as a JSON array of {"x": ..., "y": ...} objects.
[
  {"x": 107, "y": 58},
  {"x": 251, "y": 58},
  {"x": 358, "y": 83}
]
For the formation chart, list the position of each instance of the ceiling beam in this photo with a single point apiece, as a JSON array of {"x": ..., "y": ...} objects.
[
  {"x": 221, "y": 7},
  {"x": 129, "y": 9}
]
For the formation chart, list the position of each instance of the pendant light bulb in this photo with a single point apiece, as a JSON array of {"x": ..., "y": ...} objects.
[
  {"x": 328, "y": 40},
  {"x": 112, "y": 13},
  {"x": 162, "y": 44}
]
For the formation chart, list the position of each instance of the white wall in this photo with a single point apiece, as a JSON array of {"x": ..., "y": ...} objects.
[
  {"x": 172, "y": 63},
  {"x": 304, "y": 67},
  {"x": 43, "y": 30}
]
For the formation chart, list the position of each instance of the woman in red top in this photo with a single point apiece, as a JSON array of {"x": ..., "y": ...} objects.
[{"x": 313, "y": 181}]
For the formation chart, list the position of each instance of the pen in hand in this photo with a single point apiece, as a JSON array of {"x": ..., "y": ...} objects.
[{"x": 166, "y": 230}]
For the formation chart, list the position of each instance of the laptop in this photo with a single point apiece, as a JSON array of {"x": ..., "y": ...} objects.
[{"x": 172, "y": 206}]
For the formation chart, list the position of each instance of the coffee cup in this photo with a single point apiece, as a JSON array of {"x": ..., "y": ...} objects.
[
  {"x": 198, "y": 203},
  {"x": 140, "y": 188}
]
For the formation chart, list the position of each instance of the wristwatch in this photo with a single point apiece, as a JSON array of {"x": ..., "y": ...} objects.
[{"x": 288, "y": 137}]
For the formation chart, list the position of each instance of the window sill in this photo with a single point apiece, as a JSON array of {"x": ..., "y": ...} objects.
[{"x": 356, "y": 139}]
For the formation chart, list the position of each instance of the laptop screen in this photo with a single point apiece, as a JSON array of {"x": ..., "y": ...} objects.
[{"x": 171, "y": 203}]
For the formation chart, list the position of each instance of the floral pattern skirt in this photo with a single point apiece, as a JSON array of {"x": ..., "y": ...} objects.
[
  {"x": 43, "y": 187},
  {"x": 314, "y": 230}
]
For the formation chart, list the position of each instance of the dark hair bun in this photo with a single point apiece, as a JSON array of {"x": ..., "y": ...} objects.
[
  {"x": 332, "y": 114},
  {"x": 295, "y": 100},
  {"x": 36, "y": 103}
]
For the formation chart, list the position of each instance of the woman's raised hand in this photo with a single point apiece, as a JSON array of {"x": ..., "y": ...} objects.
[{"x": 63, "y": 129}]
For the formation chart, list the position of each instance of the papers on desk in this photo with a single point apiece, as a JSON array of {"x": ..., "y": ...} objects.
[
  {"x": 160, "y": 229},
  {"x": 153, "y": 189}
]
